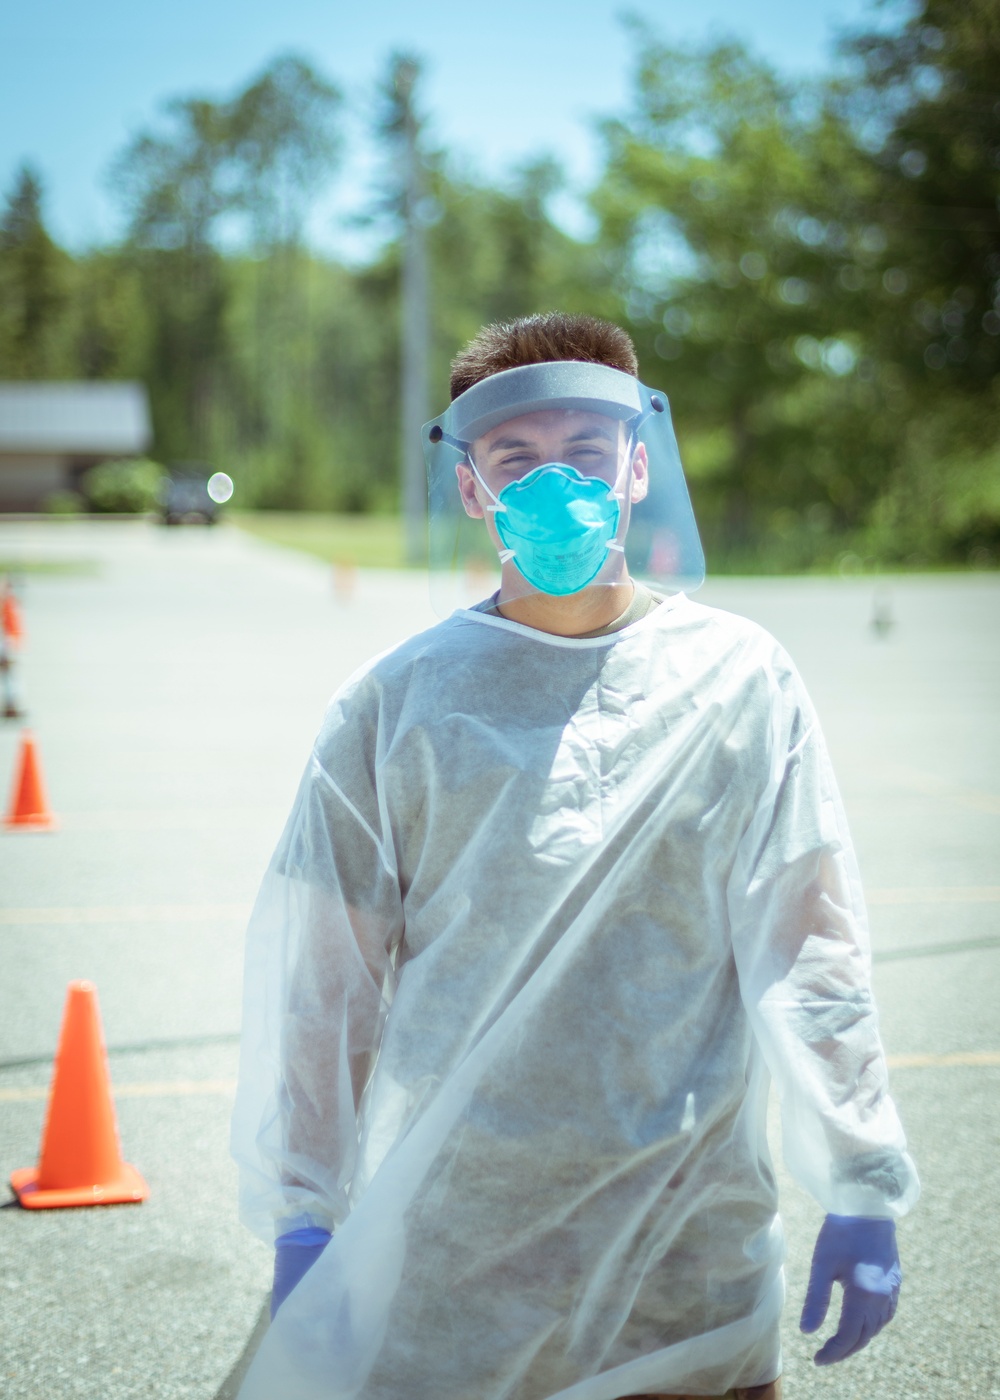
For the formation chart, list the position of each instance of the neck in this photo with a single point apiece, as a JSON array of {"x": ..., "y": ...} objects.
[{"x": 574, "y": 614}]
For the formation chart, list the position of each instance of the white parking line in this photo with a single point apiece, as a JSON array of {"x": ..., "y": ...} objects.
[
  {"x": 126, "y": 914},
  {"x": 936, "y": 894},
  {"x": 196, "y": 913},
  {"x": 157, "y": 1089}
]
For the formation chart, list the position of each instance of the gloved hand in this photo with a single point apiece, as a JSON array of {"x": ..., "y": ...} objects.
[
  {"x": 294, "y": 1255},
  {"x": 861, "y": 1254}
]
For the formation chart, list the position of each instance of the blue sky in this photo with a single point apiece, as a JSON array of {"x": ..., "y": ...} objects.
[{"x": 503, "y": 81}]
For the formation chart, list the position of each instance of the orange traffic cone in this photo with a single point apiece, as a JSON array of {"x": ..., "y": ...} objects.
[
  {"x": 345, "y": 578},
  {"x": 11, "y": 621},
  {"x": 29, "y": 806},
  {"x": 81, "y": 1163}
]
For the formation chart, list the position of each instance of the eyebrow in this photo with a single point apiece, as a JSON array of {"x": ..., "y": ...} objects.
[
  {"x": 502, "y": 444},
  {"x": 505, "y": 444}
]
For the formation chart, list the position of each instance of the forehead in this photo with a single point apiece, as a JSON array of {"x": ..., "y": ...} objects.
[{"x": 547, "y": 425}]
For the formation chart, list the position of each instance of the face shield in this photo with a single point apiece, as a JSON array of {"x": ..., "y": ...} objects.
[{"x": 551, "y": 478}]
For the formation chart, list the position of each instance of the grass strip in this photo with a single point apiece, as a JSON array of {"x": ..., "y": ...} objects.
[
  {"x": 70, "y": 567},
  {"x": 367, "y": 541}
]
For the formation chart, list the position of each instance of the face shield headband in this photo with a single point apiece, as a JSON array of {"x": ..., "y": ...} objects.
[{"x": 659, "y": 536}]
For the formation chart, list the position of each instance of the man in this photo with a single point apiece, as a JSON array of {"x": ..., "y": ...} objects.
[{"x": 567, "y": 881}]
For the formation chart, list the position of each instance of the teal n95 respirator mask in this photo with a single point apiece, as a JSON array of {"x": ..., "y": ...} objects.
[
  {"x": 557, "y": 526},
  {"x": 547, "y": 479}
]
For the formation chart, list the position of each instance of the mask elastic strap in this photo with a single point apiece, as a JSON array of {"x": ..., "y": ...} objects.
[
  {"x": 497, "y": 504},
  {"x": 613, "y": 492},
  {"x": 616, "y": 495}
]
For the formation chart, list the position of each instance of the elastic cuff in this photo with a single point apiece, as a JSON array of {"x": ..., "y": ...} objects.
[
  {"x": 304, "y": 1220},
  {"x": 308, "y": 1236}
]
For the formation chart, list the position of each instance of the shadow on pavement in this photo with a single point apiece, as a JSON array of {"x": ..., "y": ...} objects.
[{"x": 229, "y": 1387}]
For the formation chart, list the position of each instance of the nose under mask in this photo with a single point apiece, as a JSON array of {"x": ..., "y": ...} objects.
[{"x": 557, "y": 526}]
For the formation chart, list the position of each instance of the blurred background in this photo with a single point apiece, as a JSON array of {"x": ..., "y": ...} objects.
[{"x": 276, "y": 226}]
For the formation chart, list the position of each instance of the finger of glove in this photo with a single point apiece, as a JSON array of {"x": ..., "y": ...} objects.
[
  {"x": 878, "y": 1307},
  {"x": 853, "y": 1316},
  {"x": 893, "y": 1304},
  {"x": 867, "y": 1333},
  {"x": 817, "y": 1302}
]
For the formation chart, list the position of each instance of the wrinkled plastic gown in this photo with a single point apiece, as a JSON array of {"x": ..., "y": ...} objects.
[{"x": 553, "y": 910}]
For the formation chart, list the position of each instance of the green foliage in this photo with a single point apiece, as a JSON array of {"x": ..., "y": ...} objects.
[
  {"x": 33, "y": 287},
  {"x": 937, "y": 167},
  {"x": 66, "y": 503},
  {"x": 123, "y": 487},
  {"x": 812, "y": 273},
  {"x": 496, "y": 254},
  {"x": 254, "y": 161},
  {"x": 942, "y": 506}
]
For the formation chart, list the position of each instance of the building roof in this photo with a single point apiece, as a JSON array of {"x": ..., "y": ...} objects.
[{"x": 85, "y": 418}]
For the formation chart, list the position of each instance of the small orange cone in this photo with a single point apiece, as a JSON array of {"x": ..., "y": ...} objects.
[
  {"x": 81, "y": 1162},
  {"x": 29, "y": 806},
  {"x": 11, "y": 621},
  {"x": 345, "y": 578}
]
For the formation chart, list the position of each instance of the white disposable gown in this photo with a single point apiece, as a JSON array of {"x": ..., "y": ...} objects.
[{"x": 551, "y": 911}]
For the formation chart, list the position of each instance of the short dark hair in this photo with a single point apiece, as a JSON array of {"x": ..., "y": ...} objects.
[{"x": 539, "y": 339}]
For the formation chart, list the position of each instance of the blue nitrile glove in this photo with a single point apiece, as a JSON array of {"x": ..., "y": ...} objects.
[
  {"x": 294, "y": 1255},
  {"x": 861, "y": 1254}
]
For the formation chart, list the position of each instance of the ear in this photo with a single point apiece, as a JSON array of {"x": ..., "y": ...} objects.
[
  {"x": 467, "y": 485},
  {"x": 640, "y": 473}
]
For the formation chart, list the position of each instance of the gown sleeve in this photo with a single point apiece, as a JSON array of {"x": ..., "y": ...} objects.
[
  {"x": 318, "y": 980},
  {"x": 800, "y": 940}
]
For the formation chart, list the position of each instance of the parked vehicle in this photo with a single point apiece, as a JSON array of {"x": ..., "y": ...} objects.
[{"x": 194, "y": 495}]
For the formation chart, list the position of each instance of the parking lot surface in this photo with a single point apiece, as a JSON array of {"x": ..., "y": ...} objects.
[{"x": 174, "y": 681}]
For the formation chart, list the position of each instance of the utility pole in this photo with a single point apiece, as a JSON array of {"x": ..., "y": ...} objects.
[{"x": 414, "y": 318}]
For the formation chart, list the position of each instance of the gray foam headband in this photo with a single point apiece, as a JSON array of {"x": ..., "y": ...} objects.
[{"x": 567, "y": 384}]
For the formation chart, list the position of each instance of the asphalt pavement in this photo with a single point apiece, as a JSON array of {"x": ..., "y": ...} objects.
[{"x": 175, "y": 679}]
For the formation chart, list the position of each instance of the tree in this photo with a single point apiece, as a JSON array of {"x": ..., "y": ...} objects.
[
  {"x": 175, "y": 185},
  {"x": 728, "y": 211},
  {"x": 215, "y": 171},
  {"x": 407, "y": 201},
  {"x": 937, "y": 164},
  {"x": 284, "y": 142},
  {"x": 107, "y": 316},
  {"x": 32, "y": 285},
  {"x": 818, "y": 270},
  {"x": 925, "y": 99}
]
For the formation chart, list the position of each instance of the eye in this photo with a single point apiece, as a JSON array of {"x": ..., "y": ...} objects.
[{"x": 589, "y": 458}]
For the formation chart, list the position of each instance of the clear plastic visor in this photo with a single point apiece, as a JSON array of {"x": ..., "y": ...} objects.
[
  {"x": 556, "y": 500},
  {"x": 596, "y": 446}
]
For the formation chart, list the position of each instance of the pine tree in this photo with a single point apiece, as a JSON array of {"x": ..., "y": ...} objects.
[{"x": 32, "y": 294}]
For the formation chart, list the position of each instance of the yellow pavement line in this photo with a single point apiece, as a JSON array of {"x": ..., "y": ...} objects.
[
  {"x": 182, "y": 1088},
  {"x": 125, "y": 914},
  {"x": 936, "y": 894},
  {"x": 168, "y": 1088},
  {"x": 959, "y": 1057},
  {"x": 157, "y": 1089}
]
